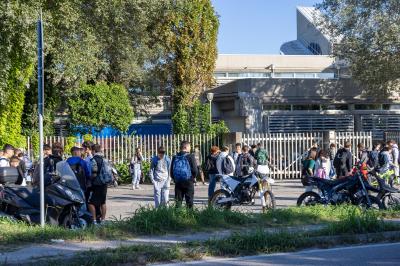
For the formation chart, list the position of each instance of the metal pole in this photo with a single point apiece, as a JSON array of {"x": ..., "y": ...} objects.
[
  {"x": 41, "y": 111},
  {"x": 210, "y": 113}
]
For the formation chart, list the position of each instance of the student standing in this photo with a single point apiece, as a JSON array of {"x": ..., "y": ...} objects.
[
  {"x": 160, "y": 177},
  {"x": 136, "y": 168},
  {"x": 183, "y": 172},
  {"x": 212, "y": 170}
]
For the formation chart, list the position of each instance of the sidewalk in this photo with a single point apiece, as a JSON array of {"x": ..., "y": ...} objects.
[{"x": 69, "y": 248}]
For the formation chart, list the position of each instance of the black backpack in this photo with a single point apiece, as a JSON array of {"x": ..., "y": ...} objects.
[
  {"x": 340, "y": 159},
  {"x": 211, "y": 164},
  {"x": 227, "y": 165},
  {"x": 80, "y": 174}
]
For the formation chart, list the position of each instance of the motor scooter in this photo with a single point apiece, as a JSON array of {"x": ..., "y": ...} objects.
[{"x": 64, "y": 199}]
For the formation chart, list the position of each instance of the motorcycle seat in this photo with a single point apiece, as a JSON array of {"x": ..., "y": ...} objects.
[
  {"x": 332, "y": 182},
  {"x": 390, "y": 189},
  {"x": 30, "y": 195}
]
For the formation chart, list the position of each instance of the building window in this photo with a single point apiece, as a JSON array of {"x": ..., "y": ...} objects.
[
  {"x": 368, "y": 106},
  {"x": 307, "y": 107},
  {"x": 284, "y": 75},
  {"x": 315, "y": 48},
  {"x": 233, "y": 75},
  {"x": 335, "y": 107},
  {"x": 277, "y": 107},
  {"x": 219, "y": 74}
]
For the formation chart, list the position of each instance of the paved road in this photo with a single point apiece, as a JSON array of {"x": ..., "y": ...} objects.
[
  {"x": 123, "y": 201},
  {"x": 379, "y": 254}
]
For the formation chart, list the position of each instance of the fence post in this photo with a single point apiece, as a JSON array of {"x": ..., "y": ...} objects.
[
  {"x": 328, "y": 137},
  {"x": 230, "y": 139}
]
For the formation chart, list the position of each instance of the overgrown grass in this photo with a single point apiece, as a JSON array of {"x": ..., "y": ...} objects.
[
  {"x": 351, "y": 221},
  {"x": 150, "y": 221},
  {"x": 129, "y": 255}
]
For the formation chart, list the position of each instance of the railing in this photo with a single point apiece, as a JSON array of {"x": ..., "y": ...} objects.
[
  {"x": 120, "y": 149},
  {"x": 287, "y": 150}
]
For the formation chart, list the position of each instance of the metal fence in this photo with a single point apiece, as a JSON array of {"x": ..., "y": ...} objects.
[
  {"x": 287, "y": 150},
  {"x": 120, "y": 149}
]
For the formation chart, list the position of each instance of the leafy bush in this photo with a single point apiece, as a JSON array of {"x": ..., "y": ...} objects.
[
  {"x": 70, "y": 142},
  {"x": 123, "y": 171},
  {"x": 146, "y": 171},
  {"x": 109, "y": 105}
]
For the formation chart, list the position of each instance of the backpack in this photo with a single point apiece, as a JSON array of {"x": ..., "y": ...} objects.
[
  {"x": 244, "y": 164},
  {"x": 211, "y": 164},
  {"x": 227, "y": 165},
  {"x": 382, "y": 160},
  {"x": 340, "y": 159},
  {"x": 262, "y": 157},
  {"x": 104, "y": 175},
  {"x": 372, "y": 159},
  {"x": 181, "y": 168},
  {"x": 80, "y": 174}
]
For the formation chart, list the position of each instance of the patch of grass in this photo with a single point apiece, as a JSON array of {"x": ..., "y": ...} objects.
[
  {"x": 151, "y": 221},
  {"x": 165, "y": 220},
  {"x": 130, "y": 255}
]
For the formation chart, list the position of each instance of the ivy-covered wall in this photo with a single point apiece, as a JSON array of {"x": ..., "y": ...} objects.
[{"x": 12, "y": 108}]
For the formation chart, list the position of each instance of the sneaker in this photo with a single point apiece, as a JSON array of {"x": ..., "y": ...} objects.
[
  {"x": 137, "y": 187},
  {"x": 205, "y": 184},
  {"x": 133, "y": 187}
]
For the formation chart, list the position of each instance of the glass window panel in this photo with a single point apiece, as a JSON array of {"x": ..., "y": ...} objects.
[{"x": 219, "y": 74}]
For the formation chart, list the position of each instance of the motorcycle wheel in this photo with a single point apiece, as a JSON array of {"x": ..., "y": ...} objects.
[
  {"x": 375, "y": 203},
  {"x": 390, "y": 202},
  {"x": 308, "y": 198},
  {"x": 218, "y": 195},
  {"x": 270, "y": 202},
  {"x": 73, "y": 222}
]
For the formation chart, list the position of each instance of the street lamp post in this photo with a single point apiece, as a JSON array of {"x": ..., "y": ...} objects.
[{"x": 210, "y": 97}]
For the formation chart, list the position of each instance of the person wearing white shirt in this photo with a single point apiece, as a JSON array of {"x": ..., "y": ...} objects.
[
  {"x": 220, "y": 161},
  {"x": 8, "y": 152}
]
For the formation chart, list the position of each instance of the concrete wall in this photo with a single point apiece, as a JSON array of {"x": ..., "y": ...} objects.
[
  {"x": 308, "y": 33},
  {"x": 282, "y": 63}
]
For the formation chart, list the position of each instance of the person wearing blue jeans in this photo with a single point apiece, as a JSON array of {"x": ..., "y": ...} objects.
[
  {"x": 160, "y": 177},
  {"x": 212, "y": 170},
  {"x": 136, "y": 168}
]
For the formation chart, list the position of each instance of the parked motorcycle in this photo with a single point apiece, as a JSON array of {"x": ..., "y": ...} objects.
[
  {"x": 389, "y": 196},
  {"x": 349, "y": 190},
  {"x": 243, "y": 191},
  {"x": 64, "y": 200}
]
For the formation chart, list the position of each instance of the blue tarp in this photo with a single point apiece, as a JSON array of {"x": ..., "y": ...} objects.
[{"x": 136, "y": 129}]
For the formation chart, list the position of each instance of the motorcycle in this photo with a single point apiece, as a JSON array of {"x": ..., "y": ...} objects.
[
  {"x": 349, "y": 190},
  {"x": 243, "y": 190},
  {"x": 64, "y": 200},
  {"x": 389, "y": 196}
]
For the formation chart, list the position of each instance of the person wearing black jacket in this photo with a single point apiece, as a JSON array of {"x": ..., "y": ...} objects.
[
  {"x": 183, "y": 172},
  {"x": 343, "y": 161},
  {"x": 212, "y": 170}
]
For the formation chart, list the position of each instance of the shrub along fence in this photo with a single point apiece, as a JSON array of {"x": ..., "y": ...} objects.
[{"x": 286, "y": 150}]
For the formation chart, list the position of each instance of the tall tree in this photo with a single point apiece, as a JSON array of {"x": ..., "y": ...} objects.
[
  {"x": 189, "y": 30},
  {"x": 367, "y": 34}
]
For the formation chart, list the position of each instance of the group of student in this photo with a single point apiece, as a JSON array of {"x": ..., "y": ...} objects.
[
  {"x": 87, "y": 163},
  {"x": 331, "y": 163},
  {"x": 13, "y": 157},
  {"x": 186, "y": 166}
]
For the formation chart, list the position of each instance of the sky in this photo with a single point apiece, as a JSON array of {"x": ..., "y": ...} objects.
[{"x": 256, "y": 26}]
